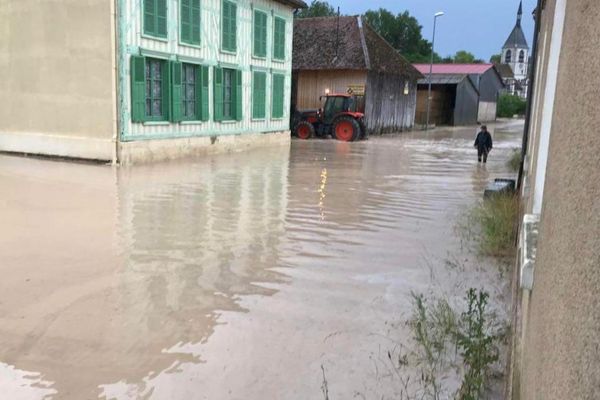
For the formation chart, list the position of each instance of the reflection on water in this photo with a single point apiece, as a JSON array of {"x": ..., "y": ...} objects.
[{"x": 221, "y": 278}]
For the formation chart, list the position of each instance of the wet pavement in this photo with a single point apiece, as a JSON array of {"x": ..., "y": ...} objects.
[{"x": 235, "y": 276}]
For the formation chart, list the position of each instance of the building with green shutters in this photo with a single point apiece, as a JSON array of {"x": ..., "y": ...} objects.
[{"x": 140, "y": 80}]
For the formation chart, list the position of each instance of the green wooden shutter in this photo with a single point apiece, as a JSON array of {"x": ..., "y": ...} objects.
[
  {"x": 279, "y": 39},
  {"x": 161, "y": 18},
  {"x": 277, "y": 96},
  {"x": 195, "y": 22},
  {"x": 225, "y": 25},
  {"x": 259, "y": 82},
  {"x": 218, "y": 93},
  {"x": 239, "y": 94},
  {"x": 149, "y": 9},
  {"x": 138, "y": 88},
  {"x": 233, "y": 27},
  {"x": 202, "y": 93},
  {"x": 185, "y": 20},
  {"x": 260, "y": 34},
  {"x": 176, "y": 91}
]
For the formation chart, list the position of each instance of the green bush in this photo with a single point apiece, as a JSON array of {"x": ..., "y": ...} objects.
[{"x": 509, "y": 106}]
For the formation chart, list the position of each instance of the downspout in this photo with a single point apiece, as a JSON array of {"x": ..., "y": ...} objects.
[
  {"x": 116, "y": 91},
  {"x": 530, "y": 95}
]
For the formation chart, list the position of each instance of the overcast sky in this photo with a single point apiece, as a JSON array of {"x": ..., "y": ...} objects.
[{"x": 478, "y": 26}]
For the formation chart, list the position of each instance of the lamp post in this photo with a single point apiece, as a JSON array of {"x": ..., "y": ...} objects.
[{"x": 435, "y": 17}]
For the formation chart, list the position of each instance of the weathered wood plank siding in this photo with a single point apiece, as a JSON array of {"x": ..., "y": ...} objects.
[
  {"x": 387, "y": 108},
  {"x": 312, "y": 84}
]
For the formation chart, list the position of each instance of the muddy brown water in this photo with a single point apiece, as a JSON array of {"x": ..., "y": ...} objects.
[{"x": 231, "y": 277}]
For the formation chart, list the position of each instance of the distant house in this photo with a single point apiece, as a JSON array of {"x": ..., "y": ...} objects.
[
  {"x": 484, "y": 78},
  {"x": 140, "y": 80},
  {"x": 345, "y": 55}
]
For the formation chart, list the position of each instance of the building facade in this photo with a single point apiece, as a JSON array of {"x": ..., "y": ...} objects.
[
  {"x": 139, "y": 80},
  {"x": 556, "y": 347},
  {"x": 515, "y": 53},
  {"x": 468, "y": 107},
  {"x": 345, "y": 55}
]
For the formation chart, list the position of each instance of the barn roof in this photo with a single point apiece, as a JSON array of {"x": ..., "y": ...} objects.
[
  {"x": 319, "y": 46},
  {"x": 466, "y": 69}
]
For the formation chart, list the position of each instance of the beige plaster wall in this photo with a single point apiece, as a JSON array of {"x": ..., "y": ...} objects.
[
  {"x": 57, "y": 87},
  {"x": 561, "y": 349}
]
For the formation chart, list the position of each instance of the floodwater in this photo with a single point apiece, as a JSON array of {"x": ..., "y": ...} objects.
[{"x": 240, "y": 276}]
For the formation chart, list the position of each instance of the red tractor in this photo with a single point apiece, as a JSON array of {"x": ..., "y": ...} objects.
[{"x": 337, "y": 118}]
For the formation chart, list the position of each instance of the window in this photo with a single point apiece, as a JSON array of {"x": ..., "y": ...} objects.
[
  {"x": 521, "y": 56},
  {"x": 508, "y": 56},
  {"x": 156, "y": 89},
  {"x": 279, "y": 38},
  {"x": 259, "y": 94},
  {"x": 277, "y": 95},
  {"x": 227, "y": 94},
  {"x": 260, "y": 34},
  {"x": 168, "y": 90},
  {"x": 188, "y": 89},
  {"x": 155, "y": 18},
  {"x": 228, "y": 26},
  {"x": 189, "y": 21}
]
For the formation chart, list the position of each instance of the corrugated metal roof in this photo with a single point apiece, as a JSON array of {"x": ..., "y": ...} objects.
[
  {"x": 443, "y": 79},
  {"x": 464, "y": 69}
]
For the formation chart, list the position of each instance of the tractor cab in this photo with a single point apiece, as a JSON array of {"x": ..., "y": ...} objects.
[
  {"x": 337, "y": 118},
  {"x": 336, "y": 104}
]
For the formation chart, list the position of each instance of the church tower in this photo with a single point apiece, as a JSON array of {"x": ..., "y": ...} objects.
[{"x": 515, "y": 53}]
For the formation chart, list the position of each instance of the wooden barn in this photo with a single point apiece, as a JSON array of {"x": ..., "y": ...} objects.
[{"x": 344, "y": 54}]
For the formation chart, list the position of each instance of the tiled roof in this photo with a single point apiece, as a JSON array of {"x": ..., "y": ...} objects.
[{"x": 319, "y": 46}]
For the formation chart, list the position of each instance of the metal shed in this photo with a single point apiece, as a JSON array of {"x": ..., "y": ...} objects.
[{"x": 454, "y": 100}]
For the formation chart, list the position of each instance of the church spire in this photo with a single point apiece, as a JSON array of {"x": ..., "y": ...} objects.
[{"x": 520, "y": 13}]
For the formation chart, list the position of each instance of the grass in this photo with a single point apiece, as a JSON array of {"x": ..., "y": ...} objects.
[
  {"x": 492, "y": 225},
  {"x": 514, "y": 162},
  {"x": 437, "y": 328}
]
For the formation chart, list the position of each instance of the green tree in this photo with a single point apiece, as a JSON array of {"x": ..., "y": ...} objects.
[
  {"x": 496, "y": 58},
  {"x": 318, "y": 8},
  {"x": 403, "y": 32},
  {"x": 464, "y": 57}
]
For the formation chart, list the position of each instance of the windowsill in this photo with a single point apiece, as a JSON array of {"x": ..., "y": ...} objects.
[
  {"x": 160, "y": 39},
  {"x": 231, "y": 53},
  {"x": 192, "y": 45},
  {"x": 277, "y": 60},
  {"x": 229, "y": 121},
  {"x": 258, "y": 119},
  {"x": 155, "y": 123},
  {"x": 191, "y": 122},
  {"x": 259, "y": 57},
  {"x": 277, "y": 119}
]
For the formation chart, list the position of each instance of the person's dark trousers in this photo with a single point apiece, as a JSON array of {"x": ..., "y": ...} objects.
[{"x": 482, "y": 152}]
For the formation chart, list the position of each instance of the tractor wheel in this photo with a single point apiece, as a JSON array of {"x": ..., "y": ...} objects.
[
  {"x": 364, "y": 135},
  {"x": 304, "y": 130},
  {"x": 346, "y": 129}
]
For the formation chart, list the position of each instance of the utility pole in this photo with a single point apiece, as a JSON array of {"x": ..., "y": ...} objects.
[{"x": 435, "y": 17}]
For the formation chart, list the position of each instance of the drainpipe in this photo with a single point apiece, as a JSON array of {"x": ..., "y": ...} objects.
[
  {"x": 116, "y": 121},
  {"x": 530, "y": 86}
]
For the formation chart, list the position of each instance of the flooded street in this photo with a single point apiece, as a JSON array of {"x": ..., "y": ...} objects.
[{"x": 233, "y": 276}]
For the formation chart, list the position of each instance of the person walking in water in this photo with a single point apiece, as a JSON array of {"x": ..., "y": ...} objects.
[{"x": 483, "y": 143}]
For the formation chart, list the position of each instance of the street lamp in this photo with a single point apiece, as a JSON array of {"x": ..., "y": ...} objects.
[{"x": 435, "y": 17}]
